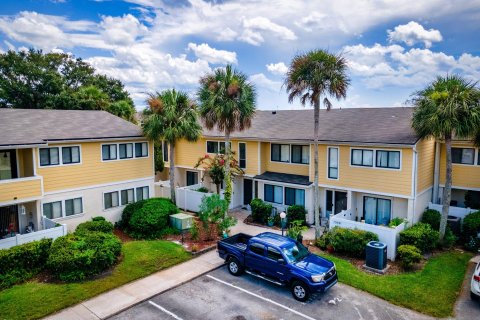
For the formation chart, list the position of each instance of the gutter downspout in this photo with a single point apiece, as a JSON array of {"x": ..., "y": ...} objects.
[{"x": 436, "y": 173}]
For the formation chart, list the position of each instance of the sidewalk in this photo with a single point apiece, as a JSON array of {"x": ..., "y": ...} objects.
[{"x": 116, "y": 300}]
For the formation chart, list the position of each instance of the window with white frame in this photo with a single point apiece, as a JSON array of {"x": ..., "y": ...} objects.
[
  {"x": 388, "y": 159},
  {"x": 49, "y": 156},
  {"x": 109, "y": 152},
  {"x": 362, "y": 157},
  {"x": 294, "y": 196},
  {"x": 216, "y": 147},
  {"x": 141, "y": 149},
  {"x": 192, "y": 178},
  {"x": 52, "y": 210},
  {"x": 377, "y": 210},
  {"x": 73, "y": 206},
  {"x": 280, "y": 152},
  {"x": 332, "y": 163},
  {"x": 142, "y": 193},
  {"x": 273, "y": 193},
  {"x": 463, "y": 155},
  {"x": 125, "y": 150},
  {"x": 242, "y": 155},
  {"x": 300, "y": 154},
  {"x": 127, "y": 196},
  {"x": 70, "y": 155},
  {"x": 110, "y": 200}
]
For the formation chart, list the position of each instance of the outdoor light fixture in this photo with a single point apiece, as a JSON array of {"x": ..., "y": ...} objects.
[{"x": 282, "y": 221}]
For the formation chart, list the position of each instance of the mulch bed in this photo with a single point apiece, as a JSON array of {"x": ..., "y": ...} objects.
[
  {"x": 249, "y": 220},
  {"x": 122, "y": 235}
]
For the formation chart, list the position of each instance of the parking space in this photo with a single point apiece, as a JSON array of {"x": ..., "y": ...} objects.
[
  {"x": 218, "y": 295},
  {"x": 466, "y": 308}
]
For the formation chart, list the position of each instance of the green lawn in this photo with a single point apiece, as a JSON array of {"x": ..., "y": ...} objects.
[
  {"x": 33, "y": 300},
  {"x": 432, "y": 291}
]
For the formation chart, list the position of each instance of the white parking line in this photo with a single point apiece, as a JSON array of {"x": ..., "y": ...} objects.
[
  {"x": 165, "y": 310},
  {"x": 260, "y": 297}
]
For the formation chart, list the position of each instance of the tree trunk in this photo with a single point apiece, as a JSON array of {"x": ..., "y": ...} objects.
[
  {"x": 316, "y": 196},
  {"x": 171, "y": 173},
  {"x": 218, "y": 188},
  {"x": 228, "y": 181},
  {"x": 447, "y": 191}
]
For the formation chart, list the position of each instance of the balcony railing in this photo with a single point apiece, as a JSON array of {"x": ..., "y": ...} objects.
[{"x": 21, "y": 189}]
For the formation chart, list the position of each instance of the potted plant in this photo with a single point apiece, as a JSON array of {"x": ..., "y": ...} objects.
[
  {"x": 270, "y": 221},
  {"x": 295, "y": 230},
  {"x": 330, "y": 248}
]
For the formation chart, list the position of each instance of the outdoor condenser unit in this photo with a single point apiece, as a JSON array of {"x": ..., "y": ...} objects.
[
  {"x": 181, "y": 221},
  {"x": 376, "y": 255}
]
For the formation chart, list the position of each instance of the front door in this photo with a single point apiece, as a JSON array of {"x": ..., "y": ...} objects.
[
  {"x": 247, "y": 191},
  {"x": 8, "y": 221},
  {"x": 336, "y": 202}
]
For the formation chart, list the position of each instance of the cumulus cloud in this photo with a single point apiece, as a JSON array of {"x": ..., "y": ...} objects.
[
  {"x": 277, "y": 68},
  {"x": 262, "y": 81},
  {"x": 212, "y": 55},
  {"x": 412, "y": 33},
  {"x": 253, "y": 27},
  {"x": 122, "y": 30}
]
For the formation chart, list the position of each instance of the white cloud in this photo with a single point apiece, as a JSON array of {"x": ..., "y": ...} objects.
[
  {"x": 253, "y": 27},
  {"x": 311, "y": 22},
  {"x": 212, "y": 55},
  {"x": 262, "y": 81},
  {"x": 412, "y": 33},
  {"x": 122, "y": 30},
  {"x": 277, "y": 68}
]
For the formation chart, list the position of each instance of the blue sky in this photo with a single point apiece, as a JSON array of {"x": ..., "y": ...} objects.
[{"x": 393, "y": 47}]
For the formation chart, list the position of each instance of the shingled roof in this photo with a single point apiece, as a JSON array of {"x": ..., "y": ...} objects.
[
  {"x": 351, "y": 125},
  {"x": 40, "y": 126}
]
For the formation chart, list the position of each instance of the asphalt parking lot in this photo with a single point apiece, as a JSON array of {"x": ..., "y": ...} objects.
[{"x": 219, "y": 295}]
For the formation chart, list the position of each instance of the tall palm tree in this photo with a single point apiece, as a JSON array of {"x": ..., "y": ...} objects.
[
  {"x": 310, "y": 76},
  {"x": 172, "y": 116},
  {"x": 227, "y": 101},
  {"x": 448, "y": 107}
]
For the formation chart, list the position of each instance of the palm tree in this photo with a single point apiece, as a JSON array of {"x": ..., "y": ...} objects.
[
  {"x": 309, "y": 77},
  {"x": 227, "y": 101},
  {"x": 172, "y": 116},
  {"x": 448, "y": 107}
]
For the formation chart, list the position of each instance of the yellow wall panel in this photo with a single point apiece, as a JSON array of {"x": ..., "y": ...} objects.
[
  {"x": 92, "y": 171},
  {"x": 463, "y": 175},
  {"x": 426, "y": 164},
  {"x": 18, "y": 189},
  {"x": 292, "y": 168}
]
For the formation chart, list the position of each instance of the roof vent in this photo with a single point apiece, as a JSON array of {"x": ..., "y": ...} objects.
[{"x": 274, "y": 112}]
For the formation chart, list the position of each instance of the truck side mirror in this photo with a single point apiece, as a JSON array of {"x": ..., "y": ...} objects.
[{"x": 281, "y": 261}]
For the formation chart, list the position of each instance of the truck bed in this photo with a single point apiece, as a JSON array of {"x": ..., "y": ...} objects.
[{"x": 239, "y": 241}]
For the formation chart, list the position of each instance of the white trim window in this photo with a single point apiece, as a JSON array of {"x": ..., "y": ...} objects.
[
  {"x": 216, "y": 147},
  {"x": 300, "y": 154},
  {"x": 109, "y": 152},
  {"x": 463, "y": 155},
  {"x": 110, "y": 200},
  {"x": 127, "y": 196},
  {"x": 242, "y": 155},
  {"x": 377, "y": 211},
  {"x": 52, "y": 210},
  {"x": 63, "y": 208},
  {"x": 294, "y": 196},
  {"x": 191, "y": 177},
  {"x": 141, "y": 149},
  {"x": 361, "y": 157},
  {"x": 388, "y": 159},
  {"x": 73, "y": 206},
  {"x": 49, "y": 156},
  {"x": 142, "y": 193},
  {"x": 273, "y": 193},
  {"x": 332, "y": 163},
  {"x": 125, "y": 150},
  {"x": 280, "y": 152},
  {"x": 70, "y": 155}
]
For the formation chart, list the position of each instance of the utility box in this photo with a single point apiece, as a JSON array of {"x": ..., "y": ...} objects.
[
  {"x": 376, "y": 255},
  {"x": 455, "y": 224},
  {"x": 181, "y": 221}
]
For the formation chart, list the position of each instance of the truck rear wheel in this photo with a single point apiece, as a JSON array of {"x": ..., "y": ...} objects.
[
  {"x": 300, "y": 291},
  {"x": 234, "y": 266}
]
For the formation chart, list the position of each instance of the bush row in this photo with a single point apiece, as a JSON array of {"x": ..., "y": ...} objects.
[
  {"x": 350, "y": 242},
  {"x": 261, "y": 211}
]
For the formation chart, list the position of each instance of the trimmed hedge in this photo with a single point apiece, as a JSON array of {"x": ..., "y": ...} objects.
[
  {"x": 96, "y": 225},
  {"x": 296, "y": 213},
  {"x": 471, "y": 228},
  {"x": 22, "y": 262},
  {"x": 260, "y": 210},
  {"x": 148, "y": 218},
  {"x": 76, "y": 257},
  {"x": 432, "y": 217},
  {"x": 420, "y": 235},
  {"x": 408, "y": 255},
  {"x": 350, "y": 242}
]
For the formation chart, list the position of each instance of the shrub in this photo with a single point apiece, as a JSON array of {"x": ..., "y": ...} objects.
[
  {"x": 421, "y": 236},
  {"x": 128, "y": 212},
  {"x": 432, "y": 217},
  {"x": 76, "y": 257},
  {"x": 395, "y": 222},
  {"x": 150, "y": 218},
  {"x": 296, "y": 213},
  {"x": 351, "y": 242},
  {"x": 470, "y": 230},
  {"x": 323, "y": 241},
  {"x": 260, "y": 210},
  {"x": 99, "y": 218},
  {"x": 408, "y": 255},
  {"x": 22, "y": 262},
  {"x": 295, "y": 229},
  {"x": 203, "y": 189},
  {"x": 194, "y": 231},
  {"x": 94, "y": 226},
  {"x": 449, "y": 239}
]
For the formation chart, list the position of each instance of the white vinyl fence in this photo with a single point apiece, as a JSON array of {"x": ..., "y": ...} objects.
[
  {"x": 452, "y": 211},
  {"x": 162, "y": 189},
  {"x": 189, "y": 199},
  {"x": 52, "y": 232},
  {"x": 387, "y": 235}
]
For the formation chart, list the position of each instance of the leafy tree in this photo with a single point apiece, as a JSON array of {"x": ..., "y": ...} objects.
[
  {"x": 227, "y": 101},
  {"x": 172, "y": 117},
  {"x": 310, "y": 76},
  {"x": 448, "y": 107},
  {"x": 215, "y": 167},
  {"x": 36, "y": 80}
]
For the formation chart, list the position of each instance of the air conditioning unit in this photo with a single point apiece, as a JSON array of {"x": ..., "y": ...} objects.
[{"x": 376, "y": 255}]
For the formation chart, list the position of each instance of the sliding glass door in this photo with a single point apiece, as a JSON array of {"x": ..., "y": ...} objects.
[
  {"x": 8, "y": 164},
  {"x": 377, "y": 211}
]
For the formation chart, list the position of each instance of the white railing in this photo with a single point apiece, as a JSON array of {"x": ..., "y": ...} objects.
[
  {"x": 52, "y": 232},
  {"x": 387, "y": 235},
  {"x": 162, "y": 189},
  {"x": 188, "y": 198},
  {"x": 452, "y": 211}
]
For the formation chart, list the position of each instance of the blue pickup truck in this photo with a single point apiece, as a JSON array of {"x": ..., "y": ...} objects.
[{"x": 280, "y": 260}]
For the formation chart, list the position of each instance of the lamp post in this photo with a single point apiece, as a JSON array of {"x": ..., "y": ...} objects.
[{"x": 282, "y": 220}]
